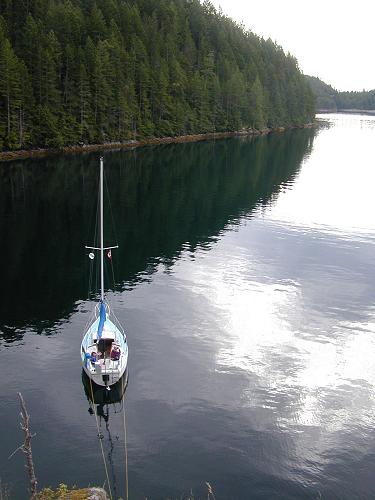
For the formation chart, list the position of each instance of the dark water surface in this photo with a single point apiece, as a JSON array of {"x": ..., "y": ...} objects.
[{"x": 245, "y": 280}]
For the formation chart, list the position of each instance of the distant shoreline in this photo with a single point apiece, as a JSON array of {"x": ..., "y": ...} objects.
[
  {"x": 132, "y": 144},
  {"x": 370, "y": 112}
]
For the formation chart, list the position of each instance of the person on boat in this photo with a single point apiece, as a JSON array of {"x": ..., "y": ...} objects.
[
  {"x": 93, "y": 357},
  {"x": 115, "y": 353}
]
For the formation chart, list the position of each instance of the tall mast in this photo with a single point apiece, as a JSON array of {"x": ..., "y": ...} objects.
[
  {"x": 102, "y": 247},
  {"x": 101, "y": 232}
]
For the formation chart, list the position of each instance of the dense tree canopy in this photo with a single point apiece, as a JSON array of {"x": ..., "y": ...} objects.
[
  {"x": 89, "y": 71},
  {"x": 330, "y": 99}
]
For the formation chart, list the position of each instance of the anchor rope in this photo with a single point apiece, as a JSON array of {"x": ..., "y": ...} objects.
[
  {"x": 110, "y": 457},
  {"x": 126, "y": 452},
  {"x": 100, "y": 441}
]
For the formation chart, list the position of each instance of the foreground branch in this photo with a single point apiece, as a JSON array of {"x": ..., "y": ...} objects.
[{"x": 26, "y": 448}]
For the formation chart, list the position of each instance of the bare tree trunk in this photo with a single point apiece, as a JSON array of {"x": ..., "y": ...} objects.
[{"x": 26, "y": 448}]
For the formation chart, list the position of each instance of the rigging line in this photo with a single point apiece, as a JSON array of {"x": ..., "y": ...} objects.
[
  {"x": 113, "y": 226},
  {"x": 91, "y": 274},
  {"x": 93, "y": 277},
  {"x": 90, "y": 280},
  {"x": 125, "y": 448},
  {"x": 110, "y": 209},
  {"x": 91, "y": 212},
  {"x": 114, "y": 229},
  {"x": 110, "y": 453},
  {"x": 113, "y": 276},
  {"x": 100, "y": 441},
  {"x": 96, "y": 240},
  {"x": 94, "y": 266}
]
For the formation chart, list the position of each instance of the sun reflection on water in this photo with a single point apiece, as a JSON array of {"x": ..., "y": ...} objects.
[
  {"x": 313, "y": 379},
  {"x": 293, "y": 292}
]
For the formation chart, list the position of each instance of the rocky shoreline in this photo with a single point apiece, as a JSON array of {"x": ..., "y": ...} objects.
[
  {"x": 84, "y": 148},
  {"x": 370, "y": 112}
]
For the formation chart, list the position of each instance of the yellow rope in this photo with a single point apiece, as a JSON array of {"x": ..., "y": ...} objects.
[
  {"x": 125, "y": 450},
  {"x": 100, "y": 440}
]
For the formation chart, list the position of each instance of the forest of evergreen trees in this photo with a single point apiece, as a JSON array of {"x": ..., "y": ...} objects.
[
  {"x": 330, "y": 99},
  {"x": 85, "y": 71}
]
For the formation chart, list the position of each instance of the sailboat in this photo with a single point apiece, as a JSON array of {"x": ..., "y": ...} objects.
[{"x": 104, "y": 348}]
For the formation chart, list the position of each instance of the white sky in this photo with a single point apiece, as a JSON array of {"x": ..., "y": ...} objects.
[{"x": 331, "y": 39}]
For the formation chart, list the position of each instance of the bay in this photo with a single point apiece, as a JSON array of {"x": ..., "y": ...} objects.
[{"x": 245, "y": 282}]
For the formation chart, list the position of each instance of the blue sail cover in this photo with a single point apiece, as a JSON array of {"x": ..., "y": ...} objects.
[{"x": 101, "y": 320}]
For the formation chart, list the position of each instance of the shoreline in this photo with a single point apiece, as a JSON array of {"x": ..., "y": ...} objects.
[
  {"x": 6, "y": 156},
  {"x": 368, "y": 112}
]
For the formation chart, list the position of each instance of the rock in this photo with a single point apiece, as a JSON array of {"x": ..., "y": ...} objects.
[
  {"x": 65, "y": 493},
  {"x": 97, "y": 494}
]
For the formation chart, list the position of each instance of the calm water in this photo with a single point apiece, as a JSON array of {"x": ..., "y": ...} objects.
[{"x": 245, "y": 279}]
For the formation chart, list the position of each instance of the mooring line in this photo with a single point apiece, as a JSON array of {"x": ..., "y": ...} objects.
[
  {"x": 100, "y": 440},
  {"x": 125, "y": 450}
]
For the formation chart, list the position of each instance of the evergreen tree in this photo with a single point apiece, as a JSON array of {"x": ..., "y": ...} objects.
[
  {"x": 10, "y": 93},
  {"x": 82, "y": 71},
  {"x": 257, "y": 105}
]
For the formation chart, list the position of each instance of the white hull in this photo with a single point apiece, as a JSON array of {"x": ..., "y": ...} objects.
[
  {"x": 98, "y": 394},
  {"x": 104, "y": 371},
  {"x": 97, "y": 376}
]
